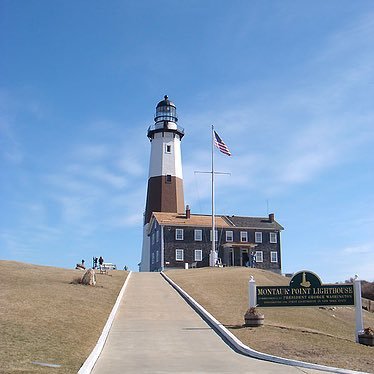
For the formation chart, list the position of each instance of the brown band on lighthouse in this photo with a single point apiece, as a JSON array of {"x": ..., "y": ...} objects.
[{"x": 164, "y": 194}]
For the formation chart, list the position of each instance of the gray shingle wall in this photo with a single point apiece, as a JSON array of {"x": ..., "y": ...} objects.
[{"x": 189, "y": 245}]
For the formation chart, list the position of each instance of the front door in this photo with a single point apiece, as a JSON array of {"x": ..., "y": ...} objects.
[{"x": 244, "y": 257}]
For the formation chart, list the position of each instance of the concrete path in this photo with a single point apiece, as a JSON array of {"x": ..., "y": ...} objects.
[{"x": 156, "y": 331}]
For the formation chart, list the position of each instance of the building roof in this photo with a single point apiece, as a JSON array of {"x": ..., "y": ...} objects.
[
  {"x": 254, "y": 222},
  {"x": 200, "y": 220},
  {"x": 179, "y": 219}
]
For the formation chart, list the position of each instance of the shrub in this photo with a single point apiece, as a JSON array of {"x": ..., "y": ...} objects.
[{"x": 367, "y": 290}]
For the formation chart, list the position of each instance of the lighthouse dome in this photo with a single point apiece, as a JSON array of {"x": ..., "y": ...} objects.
[
  {"x": 166, "y": 111},
  {"x": 166, "y": 102}
]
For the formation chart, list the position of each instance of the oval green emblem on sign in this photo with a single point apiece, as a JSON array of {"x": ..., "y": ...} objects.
[{"x": 305, "y": 279}]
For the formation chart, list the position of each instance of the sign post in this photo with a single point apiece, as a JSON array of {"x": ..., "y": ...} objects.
[
  {"x": 358, "y": 305},
  {"x": 252, "y": 293}
]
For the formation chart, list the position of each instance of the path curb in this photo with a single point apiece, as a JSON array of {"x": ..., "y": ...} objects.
[
  {"x": 88, "y": 365},
  {"x": 235, "y": 343}
]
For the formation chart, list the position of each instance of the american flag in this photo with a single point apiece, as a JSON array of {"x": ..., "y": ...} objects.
[{"x": 219, "y": 143}]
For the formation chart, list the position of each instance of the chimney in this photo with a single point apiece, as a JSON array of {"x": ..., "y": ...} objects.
[
  {"x": 271, "y": 217},
  {"x": 188, "y": 212}
]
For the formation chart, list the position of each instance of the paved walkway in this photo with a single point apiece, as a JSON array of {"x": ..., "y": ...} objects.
[{"x": 156, "y": 331}]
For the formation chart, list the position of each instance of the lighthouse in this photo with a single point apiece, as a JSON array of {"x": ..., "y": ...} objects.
[{"x": 165, "y": 178}]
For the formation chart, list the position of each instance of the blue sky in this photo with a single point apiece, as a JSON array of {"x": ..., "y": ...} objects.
[{"x": 287, "y": 84}]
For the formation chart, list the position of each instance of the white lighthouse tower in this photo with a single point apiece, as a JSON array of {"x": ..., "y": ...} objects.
[{"x": 165, "y": 179}]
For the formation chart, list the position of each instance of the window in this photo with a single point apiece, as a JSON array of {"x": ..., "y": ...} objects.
[
  {"x": 157, "y": 236},
  {"x": 198, "y": 255},
  {"x": 258, "y": 237},
  {"x": 229, "y": 236},
  {"x": 259, "y": 256},
  {"x": 243, "y": 236},
  {"x": 273, "y": 237},
  {"x": 153, "y": 258},
  {"x": 168, "y": 178},
  {"x": 179, "y": 254},
  {"x": 179, "y": 234},
  {"x": 153, "y": 238},
  {"x": 157, "y": 256},
  {"x": 273, "y": 256},
  {"x": 215, "y": 234},
  {"x": 168, "y": 148},
  {"x": 198, "y": 234}
]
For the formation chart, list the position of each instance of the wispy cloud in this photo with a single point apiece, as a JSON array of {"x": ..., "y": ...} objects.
[
  {"x": 310, "y": 128},
  {"x": 360, "y": 249},
  {"x": 10, "y": 147}
]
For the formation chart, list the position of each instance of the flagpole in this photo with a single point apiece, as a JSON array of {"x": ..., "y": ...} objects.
[{"x": 212, "y": 258}]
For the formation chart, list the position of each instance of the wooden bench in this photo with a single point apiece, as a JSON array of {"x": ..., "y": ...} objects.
[
  {"x": 106, "y": 266},
  {"x": 104, "y": 269}
]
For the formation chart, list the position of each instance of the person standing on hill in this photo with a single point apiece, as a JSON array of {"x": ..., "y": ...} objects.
[{"x": 101, "y": 261}]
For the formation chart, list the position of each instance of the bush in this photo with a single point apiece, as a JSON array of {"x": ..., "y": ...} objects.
[{"x": 367, "y": 290}]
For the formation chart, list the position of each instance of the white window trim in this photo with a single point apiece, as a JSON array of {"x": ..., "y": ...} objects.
[
  {"x": 200, "y": 257},
  {"x": 179, "y": 237},
  {"x": 228, "y": 234},
  {"x": 243, "y": 235},
  {"x": 166, "y": 148},
  {"x": 153, "y": 258},
  {"x": 180, "y": 252},
  {"x": 276, "y": 256},
  {"x": 216, "y": 235},
  {"x": 259, "y": 234},
  {"x": 157, "y": 256},
  {"x": 198, "y": 239},
  {"x": 261, "y": 255},
  {"x": 273, "y": 238}
]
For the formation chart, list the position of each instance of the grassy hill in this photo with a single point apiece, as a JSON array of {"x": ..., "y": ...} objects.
[
  {"x": 322, "y": 336},
  {"x": 44, "y": 318}
]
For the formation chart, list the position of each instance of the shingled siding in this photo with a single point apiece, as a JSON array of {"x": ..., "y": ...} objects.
[
  {"x": 155, "y": 265},
  {"x": 189, "y": 245}
]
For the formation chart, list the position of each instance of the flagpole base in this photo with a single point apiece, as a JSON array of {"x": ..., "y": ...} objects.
[{"x": 213, "y": 258}]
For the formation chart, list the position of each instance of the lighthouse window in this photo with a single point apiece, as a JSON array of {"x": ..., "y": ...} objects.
[
  {"x": 168, "y": 148},
  {"x": 258, "y": 237},
  {"x": 179, "y": 254},
  {"x": 243, "y": 236},
  {"x": 198, "y": 235},
  {"x": 215, "y": 235},
  {"x": 198, "y": 255},
  {"x": 229, "y": 236},
  {"x": 259, "y": 256},
  {"x": 273, "y": 237},
  {"x": 168, "y": 178},
  {"x": 179, "y": 234}
]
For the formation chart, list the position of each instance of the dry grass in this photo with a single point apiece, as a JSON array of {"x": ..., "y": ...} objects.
[
  {"x": 46, "y": 318},
  {"x": 309, "y": 334}
]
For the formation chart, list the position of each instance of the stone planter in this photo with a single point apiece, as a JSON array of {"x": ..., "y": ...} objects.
[
  {"x": 253, "y": 319},
  {"x": 366, "y": 339}
]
